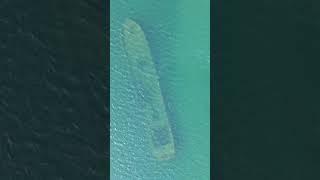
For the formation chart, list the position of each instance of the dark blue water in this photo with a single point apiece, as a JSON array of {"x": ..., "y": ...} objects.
[
  {"x": 266, "y": 120},
  {"x": 53, "y": 90}
]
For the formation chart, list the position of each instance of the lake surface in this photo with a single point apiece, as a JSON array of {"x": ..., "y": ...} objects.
[
  {"x": 179, "y": 37},
  {"x": 53, "y": 90}
]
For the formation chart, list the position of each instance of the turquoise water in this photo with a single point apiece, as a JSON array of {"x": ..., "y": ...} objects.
[{"x": 179, "y": 37}]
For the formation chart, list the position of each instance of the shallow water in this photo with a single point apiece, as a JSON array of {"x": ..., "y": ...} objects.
[{"x": 178, "y": 35}]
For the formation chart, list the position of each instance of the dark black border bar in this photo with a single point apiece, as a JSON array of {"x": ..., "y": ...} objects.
[
  {"x": 215, "y": 81},
  {"x": 108, "y": 83}
]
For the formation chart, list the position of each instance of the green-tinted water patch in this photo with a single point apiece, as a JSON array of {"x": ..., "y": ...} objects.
[{"x": 178, "y": 35}]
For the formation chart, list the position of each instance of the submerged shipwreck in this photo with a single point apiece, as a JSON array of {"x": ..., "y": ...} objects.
[{"x": 145, "y": 74}]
